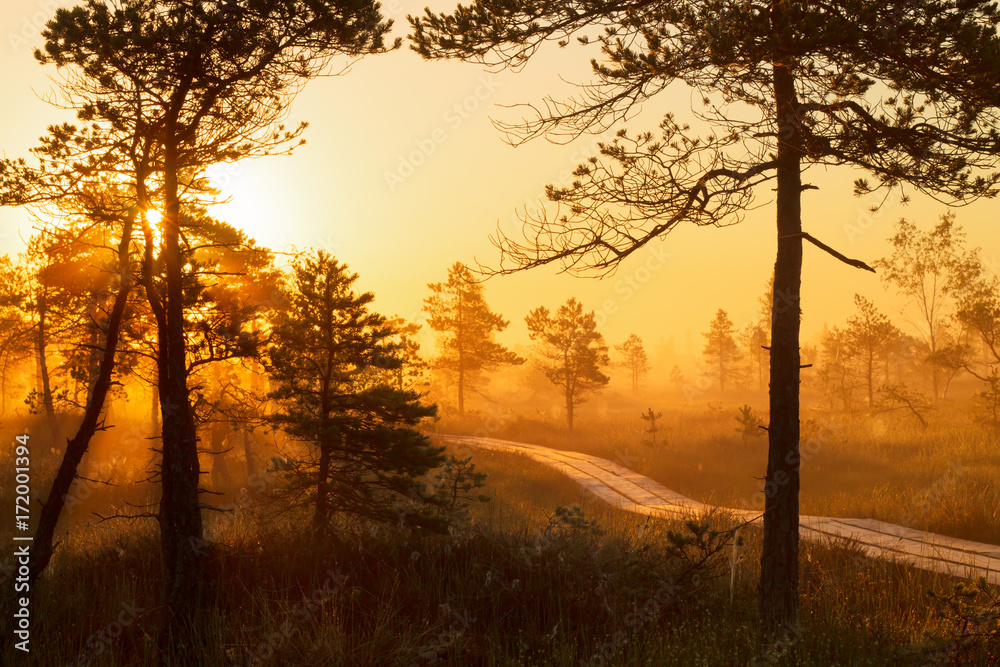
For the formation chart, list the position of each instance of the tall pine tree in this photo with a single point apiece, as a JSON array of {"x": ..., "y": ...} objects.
[
  {"x": 458, "y": 312},
  {"x": 906, "y": 90},
  {"x": 360, "y": 453}
]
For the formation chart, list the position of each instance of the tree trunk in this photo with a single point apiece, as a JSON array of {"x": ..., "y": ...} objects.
[
  {"x": 322, "y": 515},
  {"x": 460, "y": 340},
  {"x": 779, "y": 559},
  {"x": 248, "y": 455},
  {"x": 94, "y": 354},
  {"x": 935, "y": 378},
  {"x": 41, "y": 342},
  {"x": 42, "y": 548},
  {"x": 569, "y": 409},
  {"x": 154, "y": 410},
  {"x": 221, "y": 479},
  {"x": 180, "y": 511},
  {"x": 722, "y": 371},
  {"x": 871, "y": 381}
]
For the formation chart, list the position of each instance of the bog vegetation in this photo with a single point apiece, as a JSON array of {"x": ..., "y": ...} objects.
[{"x": 233, "y": 450}]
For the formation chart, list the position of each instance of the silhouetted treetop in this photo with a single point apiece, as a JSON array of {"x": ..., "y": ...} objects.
[
  {"x": 216, "y": 75},
  {"x": 907, "y": 91}
]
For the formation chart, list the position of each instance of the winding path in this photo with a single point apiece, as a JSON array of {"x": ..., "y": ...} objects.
[{"x": 630, "y": 491}]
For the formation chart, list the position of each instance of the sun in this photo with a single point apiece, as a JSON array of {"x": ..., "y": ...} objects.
[
  {"x": 155, "y": 218},
  {"x": 251, "y": 202}
]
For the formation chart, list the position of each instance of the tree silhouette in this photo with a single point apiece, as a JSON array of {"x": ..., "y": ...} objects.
[
  {"x": 654, "y": 428},
  {"x": 907, "y": 91},
  {"x": 15, "y": 324},
  {"x": 181, "y": 86},
  {"x": 458, "y": 312},
  {"x": 634, "y": 359},
  {"x": 362, "y": 453},
  {"x": 750, "y": 424},
  {"x": 570, "y": 351},
  {"x": 870, "y": 336},
  {"x": 677, "y": 377},
  {"x": 83, "y": 262},
  {"x": 929, "y": 268},
  {"x": 231, "y": 294},
  {"x": 721, "y": 351},
  {"x": 408, "y": 369},
  {"x": 837, "y": 371},
  {"x": 45, "y": 302},
  {"x": 978, "y": 309}
]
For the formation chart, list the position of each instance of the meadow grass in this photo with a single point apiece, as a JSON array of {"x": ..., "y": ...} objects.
[
  {"x": 945, "y": 478},
  {"x": 516, "y": 585}
]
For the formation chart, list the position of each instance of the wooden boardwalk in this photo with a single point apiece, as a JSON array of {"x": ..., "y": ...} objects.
[{"x": 628, "y": 490}]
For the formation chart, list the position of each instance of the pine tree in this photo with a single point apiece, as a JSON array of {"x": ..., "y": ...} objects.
[
  {"x": 904, "y": 89},
  {"x": 571, "y": 351},
  {"x": 175, "y": 87},
  {"x": 361, "y": 453},
  {"x": 838, "y": 370},
  {"x": 466, "y": 326},
  {"x": 754, "y": 338},
  {"x": 653, "y": 428},
  {"x": 634, "y": 359},
  {"x": 869, "y": 337},
  {"x": 721, "y": 350}
]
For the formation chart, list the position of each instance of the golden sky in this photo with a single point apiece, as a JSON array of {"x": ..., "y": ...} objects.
[{"x": 404, "y": 174}]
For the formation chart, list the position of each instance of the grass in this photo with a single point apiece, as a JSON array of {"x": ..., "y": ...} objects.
[{"x": 514, "y": 587}]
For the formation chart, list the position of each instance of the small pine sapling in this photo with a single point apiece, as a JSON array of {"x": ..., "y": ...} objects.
[{"x": 654, "y": 428}]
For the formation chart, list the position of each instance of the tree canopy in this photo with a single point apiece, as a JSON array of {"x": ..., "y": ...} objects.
[
  {"x": 721, "y": 351},
  {"x": 634, "y": 359},
  {"x": 363, "y": 455}
]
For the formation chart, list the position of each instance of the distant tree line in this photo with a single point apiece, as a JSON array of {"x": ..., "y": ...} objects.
[{"x": 947, "y": 329}]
